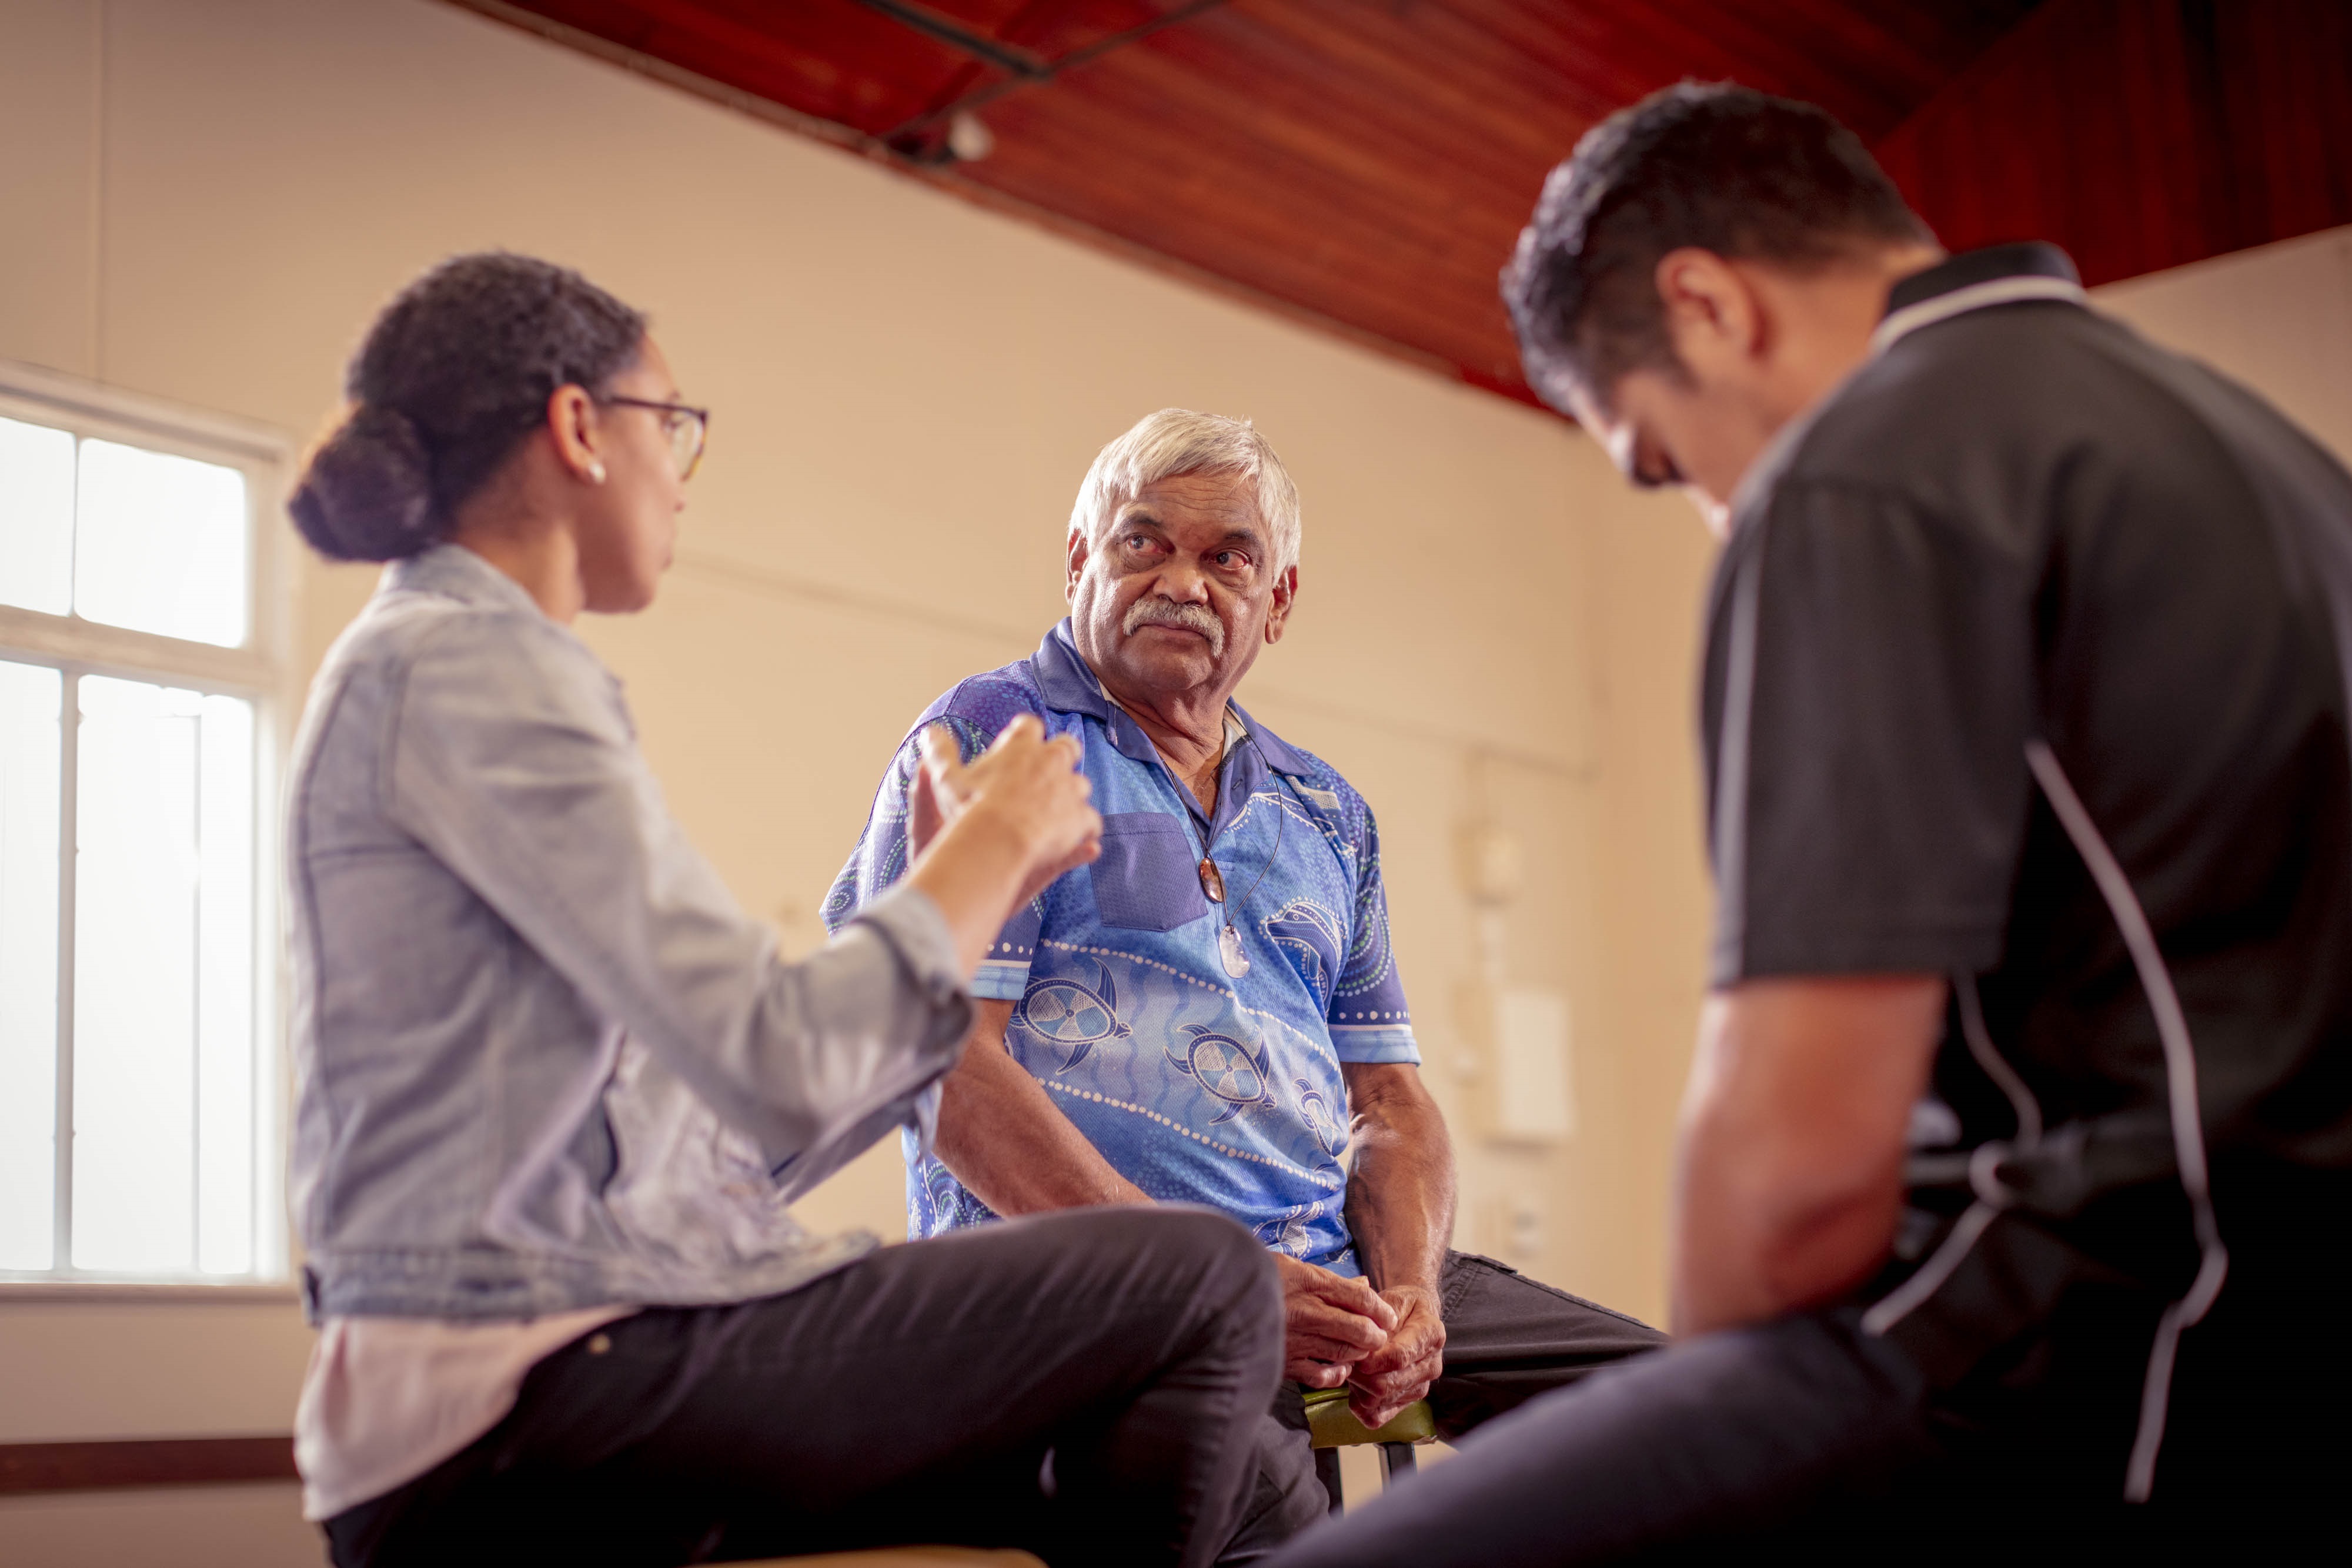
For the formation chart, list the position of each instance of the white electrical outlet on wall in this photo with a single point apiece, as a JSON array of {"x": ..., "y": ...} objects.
[{"x": 1513, "y": 1229}]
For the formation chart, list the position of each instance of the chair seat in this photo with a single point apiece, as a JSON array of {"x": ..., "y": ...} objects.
[{"x": 1331, "y": 1425}]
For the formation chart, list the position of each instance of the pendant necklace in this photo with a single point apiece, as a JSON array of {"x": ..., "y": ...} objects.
[{"x": 1212, "y": 884}]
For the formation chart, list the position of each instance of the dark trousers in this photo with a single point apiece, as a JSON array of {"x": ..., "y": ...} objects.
[
  {"x": 1090, "y": 1386},
  {"x": 1508, "y": 1339},
  {"x": 1805, "y": 1438},
  {"x": 1693, "y": 1442}
]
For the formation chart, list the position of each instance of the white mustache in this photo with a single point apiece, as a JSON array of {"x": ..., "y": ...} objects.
[{"x": 1159, "y": 611}]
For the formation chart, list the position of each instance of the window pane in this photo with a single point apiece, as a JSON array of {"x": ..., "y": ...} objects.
[
  {"x": 37, "y": 497},
  {"x": 164, "y": 1091},
  {"x": 30, "y": 699},
  {"x": 226, "y": 1085},
  {"x": 159, "y": 544},
  {"x": 134, "y": 978}
]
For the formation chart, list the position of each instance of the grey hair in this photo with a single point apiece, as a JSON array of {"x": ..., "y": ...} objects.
[{"x": 1178, "y": 441}]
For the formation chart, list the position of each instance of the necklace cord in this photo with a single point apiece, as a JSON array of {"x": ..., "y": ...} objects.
[{"x": 1281, "y": 819}]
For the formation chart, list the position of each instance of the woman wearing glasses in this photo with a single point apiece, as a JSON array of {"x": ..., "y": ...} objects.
[{"x": 555, "y": 1089}]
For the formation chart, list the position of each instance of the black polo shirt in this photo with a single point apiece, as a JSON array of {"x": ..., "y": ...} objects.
[{"x": 2020, "y": 518}]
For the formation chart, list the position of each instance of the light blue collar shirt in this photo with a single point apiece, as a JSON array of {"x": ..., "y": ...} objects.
[{"x": 1198, "y": 1045}]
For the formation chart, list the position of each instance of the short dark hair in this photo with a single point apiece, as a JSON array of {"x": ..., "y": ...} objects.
[
  {"x": 452, "y": 377},
  {"x": 1715, "y": 165}
]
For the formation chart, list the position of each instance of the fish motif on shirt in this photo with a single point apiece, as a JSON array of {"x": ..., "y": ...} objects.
[
  {"x": 1233, "y": 1072},
  {"x": 1072, "y": 1015},
  {"x": 1312, "y": 938},
  {"x": 1289, "y": 1231},
  {"x": 951, "y": 1203},
  {"x": 1330, "y": 1131}
]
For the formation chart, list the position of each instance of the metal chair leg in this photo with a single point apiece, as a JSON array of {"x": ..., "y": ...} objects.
[
  {"x": 1326, "y": 1470},
  {"x": 1396, "y": 1460}
]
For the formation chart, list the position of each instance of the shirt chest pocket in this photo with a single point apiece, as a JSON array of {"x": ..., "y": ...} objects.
[{"x": 1147, "y": 878}]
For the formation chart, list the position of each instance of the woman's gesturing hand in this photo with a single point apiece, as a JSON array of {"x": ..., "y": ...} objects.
[
  {"x": 989, "y": 834},
  {"x": 1030, "y": 785}
]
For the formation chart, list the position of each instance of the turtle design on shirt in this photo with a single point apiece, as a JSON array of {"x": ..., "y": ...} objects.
[
  {"x": 1235, "y": 1073},
  {"x": 1073, "y": 1015}
]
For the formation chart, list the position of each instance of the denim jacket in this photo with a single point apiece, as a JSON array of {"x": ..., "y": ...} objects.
[{"x": 542, "y": 1059}]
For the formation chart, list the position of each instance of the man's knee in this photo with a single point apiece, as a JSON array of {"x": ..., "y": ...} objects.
[{"x": 1226, "y": 1274}]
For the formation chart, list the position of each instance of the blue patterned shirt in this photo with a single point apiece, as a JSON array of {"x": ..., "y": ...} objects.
[{"x": 1197, "y": 1084}]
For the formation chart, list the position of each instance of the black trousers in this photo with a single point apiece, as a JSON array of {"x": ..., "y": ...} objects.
[
  {"x": 1090, "y": 1386},
  {"x": 1805, "y": 1440},
  {"x": 1508, "y": 1339}
]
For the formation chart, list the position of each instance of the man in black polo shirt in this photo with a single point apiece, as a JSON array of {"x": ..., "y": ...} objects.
[{"x": 2030, "y": 809}]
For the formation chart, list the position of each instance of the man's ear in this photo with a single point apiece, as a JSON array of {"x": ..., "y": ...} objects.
[
  {"x": 1286, "y": 593},
  {"x": 1712, "y": 313},
  {"x": 1078, "y": 554}
]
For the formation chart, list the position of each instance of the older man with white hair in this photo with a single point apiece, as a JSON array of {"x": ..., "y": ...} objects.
[{"x": 1210, "y": 1012}]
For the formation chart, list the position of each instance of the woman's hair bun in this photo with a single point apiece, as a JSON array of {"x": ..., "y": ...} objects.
[
  {"x": 454, "y": 376},
  {"x": 367, "y": 492}
]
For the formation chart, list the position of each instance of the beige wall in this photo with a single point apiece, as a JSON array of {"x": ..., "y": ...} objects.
[
  {"x": 205, "y": 199},
  {"x": 2278, "y": 318},
  {"x": 206, "y": 202}
]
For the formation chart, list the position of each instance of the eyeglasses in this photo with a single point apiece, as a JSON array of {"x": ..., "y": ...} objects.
[{"x": 688, "y": 429}]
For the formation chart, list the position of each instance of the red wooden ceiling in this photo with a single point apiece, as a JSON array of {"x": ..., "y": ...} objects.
[
  {"x": 1364, "y": 163},
  {"x": 2141, "y": 135}
]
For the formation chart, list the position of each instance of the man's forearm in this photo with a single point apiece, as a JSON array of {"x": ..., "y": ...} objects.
[
  {"x": 1004, "y": 1137},
  {"x": 1400, "y": 1190},
  {"x": 1789, "y": 1166},
  {"x": 1744, "y": 1252}
]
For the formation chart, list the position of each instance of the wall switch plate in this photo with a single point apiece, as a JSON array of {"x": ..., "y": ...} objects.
[{"x": 1535, "y": 1080}]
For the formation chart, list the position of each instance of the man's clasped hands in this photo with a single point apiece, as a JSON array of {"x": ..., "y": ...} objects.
[{"x": 1386, "y": 1346}]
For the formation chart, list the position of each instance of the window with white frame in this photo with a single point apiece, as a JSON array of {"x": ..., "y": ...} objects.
[{"x": 141, "y": 664}]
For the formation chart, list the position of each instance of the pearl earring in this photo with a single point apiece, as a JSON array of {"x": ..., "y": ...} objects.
[{"x": 595, "y": 470}]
